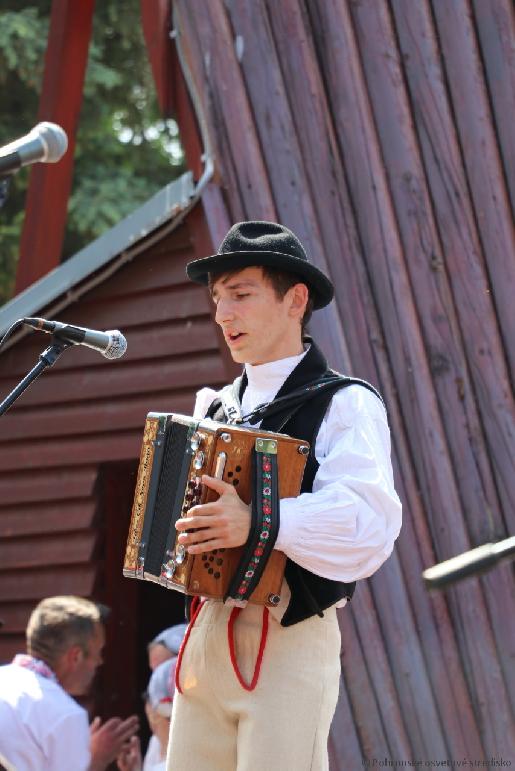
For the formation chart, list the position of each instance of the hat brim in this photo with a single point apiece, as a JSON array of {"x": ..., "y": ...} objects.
[{"x": 321, "y": 288}]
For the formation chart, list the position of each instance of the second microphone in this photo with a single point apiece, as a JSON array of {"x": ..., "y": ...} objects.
[{"x": 111, "y": 344}]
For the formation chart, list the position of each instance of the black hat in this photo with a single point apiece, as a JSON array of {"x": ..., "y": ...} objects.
[{"x": 249, "y": 244}]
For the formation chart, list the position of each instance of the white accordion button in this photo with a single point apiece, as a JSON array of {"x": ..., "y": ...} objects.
[
  {"x": 180, "y": 554},
  {"x": 199, "y": 460}
]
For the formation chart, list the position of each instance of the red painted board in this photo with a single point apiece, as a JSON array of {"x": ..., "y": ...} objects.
[{"x": 60, "y": 102}]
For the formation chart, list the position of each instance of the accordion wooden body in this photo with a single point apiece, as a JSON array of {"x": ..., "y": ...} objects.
[{"x": 175, "y": 452}]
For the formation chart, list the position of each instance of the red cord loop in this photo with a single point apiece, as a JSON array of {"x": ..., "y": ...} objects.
[
  {"x": 196, "y": 607},
  {"x": 230, "y": 633}
]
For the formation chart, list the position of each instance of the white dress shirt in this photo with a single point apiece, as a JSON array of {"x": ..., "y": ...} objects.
[
  {"x": 41, "y": 726},
  {"x": 346, "y": 527}
]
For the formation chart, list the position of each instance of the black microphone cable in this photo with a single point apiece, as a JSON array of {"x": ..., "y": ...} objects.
[{"x": 10, "y": 331}]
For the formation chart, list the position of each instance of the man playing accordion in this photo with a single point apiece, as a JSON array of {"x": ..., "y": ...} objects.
[{"x": 258, "y": 686}]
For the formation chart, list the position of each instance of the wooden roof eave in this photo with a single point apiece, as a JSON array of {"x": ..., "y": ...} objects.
[{"x": 109, "y": 252}]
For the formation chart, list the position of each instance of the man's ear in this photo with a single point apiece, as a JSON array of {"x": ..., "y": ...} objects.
[
  {"x": 66, "y": 664},
  {"x": 299, "y": 300},
  {"x": 74, "y": 655}
]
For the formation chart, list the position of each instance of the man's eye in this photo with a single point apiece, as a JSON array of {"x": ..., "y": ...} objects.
[{"x": 241, "y": 296}]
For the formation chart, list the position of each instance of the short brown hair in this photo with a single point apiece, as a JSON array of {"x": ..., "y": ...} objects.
[
  {"x": 57, "y": 623},
  {"x": 280, "y": 280}
]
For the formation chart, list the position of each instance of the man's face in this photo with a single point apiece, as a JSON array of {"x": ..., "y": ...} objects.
[
  {"x": 79, "y": 667},
  {"x": 258, "y": 326}
]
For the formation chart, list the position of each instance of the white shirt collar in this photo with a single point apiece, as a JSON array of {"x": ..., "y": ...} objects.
[{"x": 265, "y": 380}]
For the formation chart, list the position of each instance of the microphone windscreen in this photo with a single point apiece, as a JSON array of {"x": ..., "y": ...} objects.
[
  {"x": 117, "y": 344},
  {"x": 54, "y": 138}
]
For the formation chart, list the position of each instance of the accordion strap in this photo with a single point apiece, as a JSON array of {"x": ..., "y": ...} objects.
[
  {"x": 231, "y": 401},
  {"x": 264, "y": 526}
]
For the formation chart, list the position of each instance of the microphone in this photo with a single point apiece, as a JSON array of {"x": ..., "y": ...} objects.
[
  {"x": 46, "y": 142},
  {"x": 111, "y": 344},
  {"x": 470, "y": 563}
]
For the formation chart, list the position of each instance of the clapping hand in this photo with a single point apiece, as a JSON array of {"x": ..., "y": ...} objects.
[
  {"x": 110, "y": 739},
  {"x": 130, "y": 757}
]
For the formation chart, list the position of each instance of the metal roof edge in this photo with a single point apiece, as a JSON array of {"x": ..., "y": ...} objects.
[{"x": 162, "y": 207}]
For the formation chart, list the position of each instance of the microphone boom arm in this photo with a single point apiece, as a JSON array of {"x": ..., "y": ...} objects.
[{"x": 46, "y": 359}]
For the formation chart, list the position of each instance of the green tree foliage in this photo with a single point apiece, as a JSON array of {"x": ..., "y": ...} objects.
[{"x": 125, "y": 152}]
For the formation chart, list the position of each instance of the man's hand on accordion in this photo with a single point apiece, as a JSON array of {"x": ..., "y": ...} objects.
[{"x": 224, "y": 523}]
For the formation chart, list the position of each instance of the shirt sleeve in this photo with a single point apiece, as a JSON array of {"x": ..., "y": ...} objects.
[
  {"x": 346, "y": 527},
  {"x": 204, "y": 399}
]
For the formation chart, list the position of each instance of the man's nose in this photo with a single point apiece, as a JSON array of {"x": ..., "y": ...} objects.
[{"x": 224, "y": 311}]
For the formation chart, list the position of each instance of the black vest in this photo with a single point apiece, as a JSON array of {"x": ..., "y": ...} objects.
[{"x": 310, "y": 594}]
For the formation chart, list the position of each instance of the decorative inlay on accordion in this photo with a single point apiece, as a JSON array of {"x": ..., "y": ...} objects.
[{"x": 175, "y": 452}]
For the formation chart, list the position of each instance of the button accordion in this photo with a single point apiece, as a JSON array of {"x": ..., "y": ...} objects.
[{"x": 175, "y": 452}]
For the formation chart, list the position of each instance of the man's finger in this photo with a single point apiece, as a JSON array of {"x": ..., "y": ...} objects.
[
  {"x": 95, "y": 724},
  {"x": 133, "y": 721},
  {"x": 112, "y": 723},
  {"x": 200, "y": 548},
  {"x": 218, "y": 485},
  {"x": 194, "y": 522},
  {"x": 207, "y": 509},
  {"x": 127, "y": 728},
  {"x": 200, "y": 536}
]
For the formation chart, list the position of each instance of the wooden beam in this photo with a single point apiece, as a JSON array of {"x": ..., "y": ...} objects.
[
  {"x": 172, "y": 92},
  {"x": 155, "y": 19},
  {"x": 61, "y": 98}
]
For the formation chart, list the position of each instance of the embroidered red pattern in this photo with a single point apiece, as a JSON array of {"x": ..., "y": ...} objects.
[{"x": 266, "y": 510}]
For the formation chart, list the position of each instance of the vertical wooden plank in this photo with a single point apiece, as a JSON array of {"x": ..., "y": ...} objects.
[
  {"x": 481, "y": 157},
  {"x": 344, "y": 746},
  {"x": 60, "y": 102},
  {"x": 431, "y": 614},
  {"x": 382, "y": 249},
  {"x": 495, "y": 24},
  {"x": 357, "y": 687},
  {"x": 438, "y": 321},
  {"x": 191, "y": 140},
  {"x": 208, "y": 46},
  {"x": 217, "y": 216},
  {"x": 388, "y": 680}
]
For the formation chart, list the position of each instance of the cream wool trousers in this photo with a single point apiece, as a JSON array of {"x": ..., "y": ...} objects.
[{"x": 283, "y": 724}]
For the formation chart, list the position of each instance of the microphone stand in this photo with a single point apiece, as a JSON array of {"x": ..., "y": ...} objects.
[{"x": 46, "y": 359}]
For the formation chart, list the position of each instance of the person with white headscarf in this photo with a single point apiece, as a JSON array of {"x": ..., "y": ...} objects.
[{"x": 158, "y": 706}]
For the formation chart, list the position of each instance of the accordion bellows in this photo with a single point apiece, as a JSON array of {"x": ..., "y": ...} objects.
[{"x": 175, "y": 452}]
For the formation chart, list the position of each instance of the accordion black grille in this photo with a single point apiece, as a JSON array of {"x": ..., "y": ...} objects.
[{"x": 170, "y": 496}]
